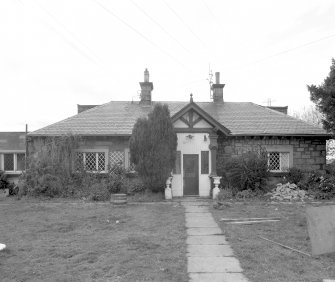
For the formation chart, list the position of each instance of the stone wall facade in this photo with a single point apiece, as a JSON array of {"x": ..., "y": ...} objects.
[{"x": 307, "y": 153}]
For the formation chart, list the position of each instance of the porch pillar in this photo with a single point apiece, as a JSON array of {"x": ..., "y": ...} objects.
[{"x": 213, "y": 147}]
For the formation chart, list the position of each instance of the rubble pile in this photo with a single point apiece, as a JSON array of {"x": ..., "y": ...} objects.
[{"x": 288, "y": 192}]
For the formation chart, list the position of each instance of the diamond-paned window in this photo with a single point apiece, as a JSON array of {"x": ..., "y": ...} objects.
[
  {"x": 101, "y": 161},
  {"x": 278, "y": 161},
  {"x": 12, "y": 162},
  {"x": 116, "y": 158},
  {"x": 91, "y": 161},
  {"x": 9, "y": 162}
]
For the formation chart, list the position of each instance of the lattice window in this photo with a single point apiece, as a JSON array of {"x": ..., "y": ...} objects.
[
  {"x": 13, "y": 162},
  {"x": 9, "y": 162},
  {"x": 91, "y": 161},
  {"x": 101, "y": 161},
  {"x": 116, "y": 158},
  {"x": 278, "y": 161}
]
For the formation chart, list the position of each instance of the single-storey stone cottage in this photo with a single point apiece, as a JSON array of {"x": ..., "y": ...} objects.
[{"x": 208, "y": 133}]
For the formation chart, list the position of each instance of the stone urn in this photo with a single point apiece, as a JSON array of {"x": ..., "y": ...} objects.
[
  {"x": 216, "y": 189},
  {"x": 168, "y": 189}
]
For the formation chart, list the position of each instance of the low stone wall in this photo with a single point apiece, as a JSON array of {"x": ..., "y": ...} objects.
[{"x": 308, "y": 153}]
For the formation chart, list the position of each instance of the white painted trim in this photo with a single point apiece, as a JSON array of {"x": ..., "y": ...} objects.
[{"x": 2, "y": 161}]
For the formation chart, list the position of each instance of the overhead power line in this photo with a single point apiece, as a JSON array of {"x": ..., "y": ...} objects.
[
  {"x": 139, "y": 33},
  {"x": 83, "y": 53},
  {"x": 293, "y": 49},
  {"x": 181, "y": 19},
  {"x": 160, "y": 26},
  {"x": 72, "y": 34}
]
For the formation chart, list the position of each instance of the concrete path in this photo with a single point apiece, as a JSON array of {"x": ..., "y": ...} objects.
[{"x": 209, "y": 256}]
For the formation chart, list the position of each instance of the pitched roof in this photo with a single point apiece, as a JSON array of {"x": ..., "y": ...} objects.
[
  {"x": 241, "y": 118},
  {"x": 12, "y": 141}
]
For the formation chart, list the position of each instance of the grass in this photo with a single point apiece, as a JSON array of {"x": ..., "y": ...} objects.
[
  {"x": 66, "y": 241},
  {"x": 264, "y": 261}
]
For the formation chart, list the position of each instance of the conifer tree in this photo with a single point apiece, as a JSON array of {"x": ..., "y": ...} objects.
[
  {"x": 324, "y": 98},
  {"x": 153, "y": 147}
]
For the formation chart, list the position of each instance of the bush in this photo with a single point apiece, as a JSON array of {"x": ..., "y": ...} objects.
[
  {"x": 115, "y": 179},
  {"x": 3, "y": 180},
  {"x": 295, "y": 175},
  {"x": 133, "y": 185},
  {"x": 99, "y": 192},
  {"x": 248, "y": 171},
  {"x": 153, "y": 145},
  {"x": 48, "y": 185},
  {"x": 225, "y": 194}
]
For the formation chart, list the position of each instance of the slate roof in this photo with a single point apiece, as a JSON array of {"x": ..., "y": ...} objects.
[
  {"x": 12, "y": 141},
  {"x": 241, "y": 118}
]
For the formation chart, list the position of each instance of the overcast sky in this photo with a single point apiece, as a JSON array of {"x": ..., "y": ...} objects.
[{"x": 56, "y": 54}]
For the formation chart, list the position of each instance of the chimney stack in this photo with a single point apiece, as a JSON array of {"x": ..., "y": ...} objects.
[
  {"x": 217, "y": 89},
  {"x": 146, "y": 88}
]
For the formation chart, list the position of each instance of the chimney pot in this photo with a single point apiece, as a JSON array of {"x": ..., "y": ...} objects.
[
  {"x": 217, "y": 78},
  {"x": 146, "y": 88},
  {"x": 146, "y": 75},
  {"x": 217, "y": 89}
]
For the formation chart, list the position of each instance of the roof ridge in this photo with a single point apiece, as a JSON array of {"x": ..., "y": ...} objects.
[{"x": 290, "y": 117}]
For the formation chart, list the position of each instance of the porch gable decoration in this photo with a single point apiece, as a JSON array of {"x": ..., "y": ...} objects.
[{"x": 208, "y": 134}]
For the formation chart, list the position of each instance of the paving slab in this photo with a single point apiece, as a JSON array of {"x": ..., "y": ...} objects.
[
  {"x": 198, "y": 214},
  {"x": 217, "y": 277},
  {"x": 206, "y": 240},
  {"x": 209, "y": 251},
  {"x": 196, "y": 209},
  {"x": 203, "y": 231},
  {"x": 213, "y": 264},
  {"x": 195, "y": 204},
  {"x": 200, "y": 222}
]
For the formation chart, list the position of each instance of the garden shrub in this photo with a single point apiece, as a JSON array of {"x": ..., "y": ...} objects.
[
  {"x": 246, "y": 194},
  {"x": 248, "y": 171},
  {"x": 153, "y": 145},
  {"x": 295, "y": 175},
  {"x": 3, "y": 180},
  {"x": 225, "y": 194},
  {"x": 133, "y": 185},
  {"x": 99, "y": 192},
  {"x": 115, "y": 179},
  {"x": 48, "y": 185}
]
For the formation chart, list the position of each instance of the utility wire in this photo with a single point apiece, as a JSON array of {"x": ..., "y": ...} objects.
[
  {"x": 160, "y": 26},
  {"x": 82, "y": 53},
  {"x": 91, "y": 55},
  {"x": 292, "y": 49},
  {"x": 181, "y": 19},
  {"x": 139, "y": 33}
]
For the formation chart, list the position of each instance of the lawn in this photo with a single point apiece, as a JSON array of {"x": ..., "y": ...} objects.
[
  {"x": 64, "y": 241},
  {"x": 264, "y": 261}
]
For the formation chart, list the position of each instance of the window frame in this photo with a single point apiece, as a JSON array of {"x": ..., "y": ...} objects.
[
  {"x": 95, "y": 151},
  {"x": 281, "y": 149},
  {"x": 14, "y": 153},
  {"x": 281, "y": 168}
]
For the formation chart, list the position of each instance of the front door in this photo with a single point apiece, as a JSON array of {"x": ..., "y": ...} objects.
[{"x": 191, "y": 174}]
